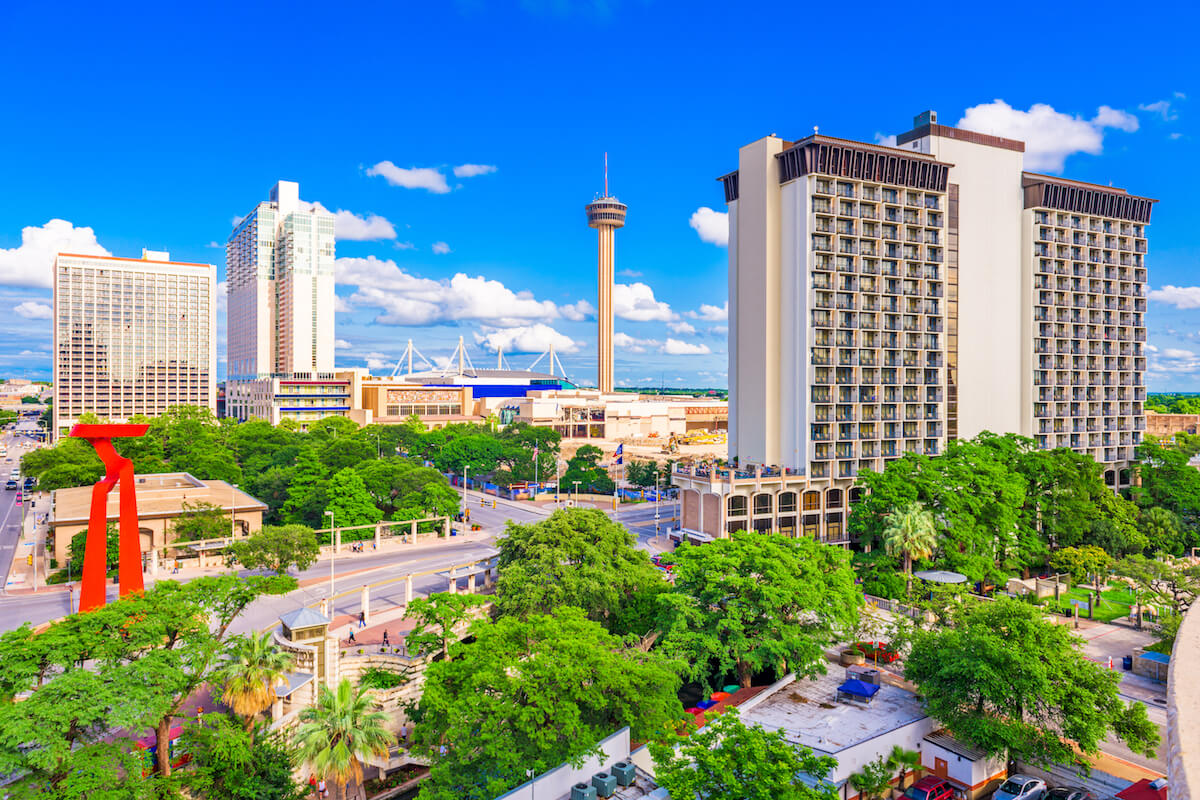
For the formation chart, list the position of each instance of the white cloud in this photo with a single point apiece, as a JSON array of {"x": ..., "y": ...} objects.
[
  {"x": 623, "y": 341},
  {"x": 1162, "y": 108},
  {"x": 473, "y": 170},
  {"x": 681, "y": 327},
  {"x": 1185, "y": 297},
  {"x": 411, "y": 178},
  {"x": 718, "y": 330},
  {"x": 1050, "y": 136},
  {"x": 405, "y": 299},
  {"x": 1173, "y": 360},
  {"x": 237, "y": 220},
  {"x": 379, "y": 361},
  {"x": 710, "y": 313},
  {"x": 1175, "y": 352},
  {"x": 351, "y": 227},
  {"x": 635, "y": 302},
  {"x": 340, "y": 305},
  {"x": 535, "y": 338},
  {"x": 675, "y": 347},
  {"x": 31, "y": 309},
  {"x": 404, "y": 246},
  {"x": 628, "y": 273},
  {"x": 885, "y": 139},
  {"x": 440, "y": 248},
  {"x": 214, "y": 245},
  {"x": 32, "y": 264},
  {"x": 712, "y": 226},
  {"x": 341, "y": 344},
  {"x": 577, "y": 312},
  {"x": 222, "y": 297}
]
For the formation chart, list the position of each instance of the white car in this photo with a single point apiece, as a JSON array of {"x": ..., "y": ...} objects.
[{"x": 1020, "y": 787}]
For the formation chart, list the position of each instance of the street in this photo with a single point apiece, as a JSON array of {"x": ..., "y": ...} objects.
[{"x": 17, "y": 443}]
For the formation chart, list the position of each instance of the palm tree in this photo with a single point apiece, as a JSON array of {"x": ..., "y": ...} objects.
[
  {"x": 910, "y": 531},
  {"x": 873, "y": 780},
  {"x": 339, "y": 731},
  {"x": 256, "y": 665},
  {"x": 904, "y": 760}
]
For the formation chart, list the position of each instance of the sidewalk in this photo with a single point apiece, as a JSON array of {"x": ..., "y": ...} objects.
[{"x": 20, "y": 578}]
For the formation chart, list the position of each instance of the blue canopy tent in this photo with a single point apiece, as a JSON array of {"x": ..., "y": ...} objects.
[{"x": 855, "y": 689}]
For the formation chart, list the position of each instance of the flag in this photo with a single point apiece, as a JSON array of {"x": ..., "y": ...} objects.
[{"x": 620, "y": 448}]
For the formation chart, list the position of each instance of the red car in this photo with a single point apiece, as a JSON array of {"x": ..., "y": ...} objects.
[
  {"x": 931, "y": 787},
  {"x": 878, "y": 652}
]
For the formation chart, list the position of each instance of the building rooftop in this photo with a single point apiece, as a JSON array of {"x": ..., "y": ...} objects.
[
  {"x": 808, "y": 713},
  {"x": 158, "y": 495}
]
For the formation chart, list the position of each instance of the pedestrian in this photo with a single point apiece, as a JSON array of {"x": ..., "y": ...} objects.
[
  {"x": 362, "y": 619},
  {"x": 321, "y": 788},
  {"x": 385, "y": 639},
  {"x": 351, "y": 637}
]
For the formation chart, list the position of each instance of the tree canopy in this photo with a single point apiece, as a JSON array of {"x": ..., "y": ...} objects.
[
  {"x": 758, "y": 602},
  {"x": 559, "y": 682},
  {"x": 277, "y": 548},
  {"x": 1003, "y": 679},
  {"x": 578, "y": 557}
]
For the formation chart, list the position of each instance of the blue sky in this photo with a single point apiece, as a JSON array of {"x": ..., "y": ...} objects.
[{"x": 156, "y": 125}]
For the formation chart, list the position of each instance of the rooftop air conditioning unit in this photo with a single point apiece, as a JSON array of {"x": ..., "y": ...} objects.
[
  {"x": 605, "y": 783},
  {"x": 624, "y": 772},
  {"x": 865, "y": 674},
  {"x": 581, "y": 791}
]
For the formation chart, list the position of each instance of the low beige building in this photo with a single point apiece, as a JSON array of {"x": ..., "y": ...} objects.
[
  {"x": 616, "y": 416},
  {"x": 160, "y": 500}
]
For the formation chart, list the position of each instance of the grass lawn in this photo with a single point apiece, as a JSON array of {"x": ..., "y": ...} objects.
[{"x": 1114, "y": 602}]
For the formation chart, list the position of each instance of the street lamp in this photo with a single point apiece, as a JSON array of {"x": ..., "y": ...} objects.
[
  {"x": 332, "y": 552},
  {"x": 576, "y": 492}
]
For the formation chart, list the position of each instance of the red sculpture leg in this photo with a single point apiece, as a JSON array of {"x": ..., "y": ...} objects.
[{"x": 129, "y": 553}]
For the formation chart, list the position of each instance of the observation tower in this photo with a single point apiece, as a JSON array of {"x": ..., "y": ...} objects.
[{"x": 605, "y": 214}]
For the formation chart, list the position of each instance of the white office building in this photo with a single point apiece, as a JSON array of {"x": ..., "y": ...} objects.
[
  {"x": 279, "y": 271},
  {"x": 885, "y": 299},
  {"x": 132, "y": 336}
]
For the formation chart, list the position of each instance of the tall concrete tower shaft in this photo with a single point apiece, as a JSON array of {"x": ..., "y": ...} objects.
[{"x": 605, "y": 214}]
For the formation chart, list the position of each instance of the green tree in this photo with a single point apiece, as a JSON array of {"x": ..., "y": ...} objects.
[
  {"x": 231, "y": 763},
  {"x": 1168, "y": 580},
  {"x": 560, "y": 682},
  {"x": 437, "y": 620},
  {"x": 71, "y": 462},
  {"x": 904, "y": 760},
  {"x": 726, "y": 760},
  {"x": 1167, "y": 480},
  {"x": 755, "y": 602},
  {"x": 912, "y": 533},
  {"x": 1084, "y": 563},
  {"x": 585, "y": 467},
  {"x": 578, "y": 557},
  {"x": 308, "y": 495},
  {"x": 277, "y": 548},
  {"x": 1164, "y": 531},
  {"x": 873, "y": 779},
  {"x": 256, "y": 664},
  {"x": 78, "y": 546},
  {"x": 350, "y": 501},
  {"x": 978, "y": 679},
  {"x": 339, "y": 732},
  {"x": 200, "y": 520}
]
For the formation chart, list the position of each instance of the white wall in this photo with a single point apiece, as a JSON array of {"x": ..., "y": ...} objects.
[
  {"x": 990, "y": 285},
  {"x": 961, "y": 770},
  {"x": 558, "y": 781},
  {"x": 794, "y": 377}
]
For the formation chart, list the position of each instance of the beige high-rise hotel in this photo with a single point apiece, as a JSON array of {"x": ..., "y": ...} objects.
[
  {"x": 885, "y": 299},
  {"x": 132, "y": 336}
]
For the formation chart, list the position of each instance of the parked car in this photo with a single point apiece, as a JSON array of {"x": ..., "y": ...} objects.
[
  {"x": 11, "y": 485},
  {"x": 1069, "y": 793},
  {"x": 1020, "y": 787},
  {"x": 931, "y": 787}
]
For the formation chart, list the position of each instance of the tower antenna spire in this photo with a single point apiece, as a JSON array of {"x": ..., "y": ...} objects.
[{"x": 606, "y": 173}]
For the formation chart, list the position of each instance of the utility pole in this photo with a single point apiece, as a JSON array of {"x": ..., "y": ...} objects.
[{"x": 332, "y": 553}]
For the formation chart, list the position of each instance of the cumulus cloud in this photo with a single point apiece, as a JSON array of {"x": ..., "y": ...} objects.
[
  {"x": 535, "y": 338},
  {"x": 379, "y": 361},
  {"x": 31, "y": 309},
  {"x": 711, "y": 313},
  {"x": 1050, "y": 136},
  {"x": 635, "y": 302},
  {"x": 1172, "y": 361},
  {"x": 1163, "y": 108},
  {"x": 406, "y": 299},
  {"x": 1185, "y": 297},
  {"x": 473, "y": 170},
  {"x": 32, "y": 263},
  {"x": 341, "y": 344},
  {"x": 681, "y": 327},
  {"x": 222, "y": 296},
  {"x": 577, "y": 312},
  {"x": 623, "y": 341},
  {"x": 440, "y": 248},
  {"x": 712, "y": 226},
  {"x": 427, "y": 178},
  {"x": 351, "y": 227},
  {"x": 885, "y": 139},
  {"x": 675, "y": 347}
]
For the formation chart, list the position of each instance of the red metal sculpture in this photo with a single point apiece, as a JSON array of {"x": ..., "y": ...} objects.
[{"x": 117, "y": 468}]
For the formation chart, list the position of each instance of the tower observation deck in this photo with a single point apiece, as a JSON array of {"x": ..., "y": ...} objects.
[{"x": 605, "y": 214}]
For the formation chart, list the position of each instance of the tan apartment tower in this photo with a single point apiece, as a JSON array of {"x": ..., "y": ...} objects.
[{"x": 605, "y": 214}]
